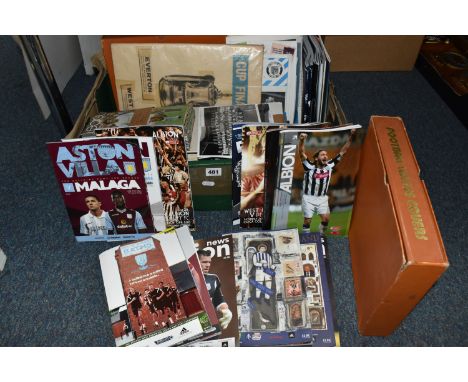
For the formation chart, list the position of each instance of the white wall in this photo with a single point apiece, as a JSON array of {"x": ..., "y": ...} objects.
[
  {"x": 64, "y": 56},
  {"x": 90, "y": 45}
]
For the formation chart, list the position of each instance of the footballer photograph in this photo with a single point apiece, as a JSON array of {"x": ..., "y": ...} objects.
[{"x": 324, "y": 180}]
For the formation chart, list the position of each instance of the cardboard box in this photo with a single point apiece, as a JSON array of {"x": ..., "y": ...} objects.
[
  {"x": 211, "y": 179},
  {"x": 372, "y": 53},
  {"x": 396, "y": 249},
  {"x": 203, "y": 173},
  {"x": 99, "y": 99}
]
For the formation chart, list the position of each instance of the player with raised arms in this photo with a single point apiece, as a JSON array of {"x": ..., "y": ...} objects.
[{"x": 317, "y": 176}]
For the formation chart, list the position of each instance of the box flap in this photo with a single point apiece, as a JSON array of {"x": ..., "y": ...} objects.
[{"x": 416, "y": 220}]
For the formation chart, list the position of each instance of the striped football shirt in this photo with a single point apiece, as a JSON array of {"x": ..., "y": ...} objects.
[
  {"x": 317, "y": 180},
  {"x": 259, "y": 257}
]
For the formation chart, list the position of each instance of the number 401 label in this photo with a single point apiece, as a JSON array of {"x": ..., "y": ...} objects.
[{"x": 213, "y": 171}]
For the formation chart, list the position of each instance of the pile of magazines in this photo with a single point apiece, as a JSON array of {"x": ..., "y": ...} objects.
[
  {"x": 217, "y": 75},
  {"x": 260, "y": 100},
  {"x": 242, "y": 289},
  {"x": 283, "y": 175},
  {"x": 125, "y": 183},
  {"x": 126, "y": 174}
]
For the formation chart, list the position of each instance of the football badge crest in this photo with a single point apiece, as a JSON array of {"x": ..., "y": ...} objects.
[
  {"x": 130, "y": 168},
  {"x": 142, "y": 261}
]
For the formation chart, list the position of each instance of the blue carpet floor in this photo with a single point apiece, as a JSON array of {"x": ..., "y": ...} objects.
[{"x": 51, "y": 293}]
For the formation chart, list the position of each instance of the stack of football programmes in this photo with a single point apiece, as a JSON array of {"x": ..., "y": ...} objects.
[
  {"x": 297, "y": 176},
  {"x": 319, "y": 306},
  {"x": 153, "y": 293},
  {"x": 252, "y": 163},
  {"x": 127, "y": 184},
  {"x": 242, "y": 289},
  {"x": 125, "y": 176},
  {"x": 150, "y": 116},
  {"x": 295, "y": 73},
  {"x": 248, "y": 143},
  {"x": 280, "y": 64}
]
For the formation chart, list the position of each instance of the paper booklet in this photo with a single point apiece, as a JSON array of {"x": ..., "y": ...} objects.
[
  {"x": 315, "y": 77},
  {"x": 271, "y": 294},
  {"x": 320, "y": 299},
  {"x": 152, "y": 296},
  {"x": 103, "y": 186},
  {"x": 150, "y": 168},
  {"x": 173, "y": 171},
  {"x": 190, "y": 253},
  {"x": 236, "y": 171},
  {"x": 250, "y": 184},
  {"x": 311, "y": 178},
  {"x": 252, "y": 207},
  {"x": 252, "y": 191},
  {"x": 217, "y": 261},
  {"x": 149, "y": 75}
]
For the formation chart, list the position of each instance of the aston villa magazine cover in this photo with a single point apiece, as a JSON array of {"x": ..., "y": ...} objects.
[{"x": 103, "y": 186}]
